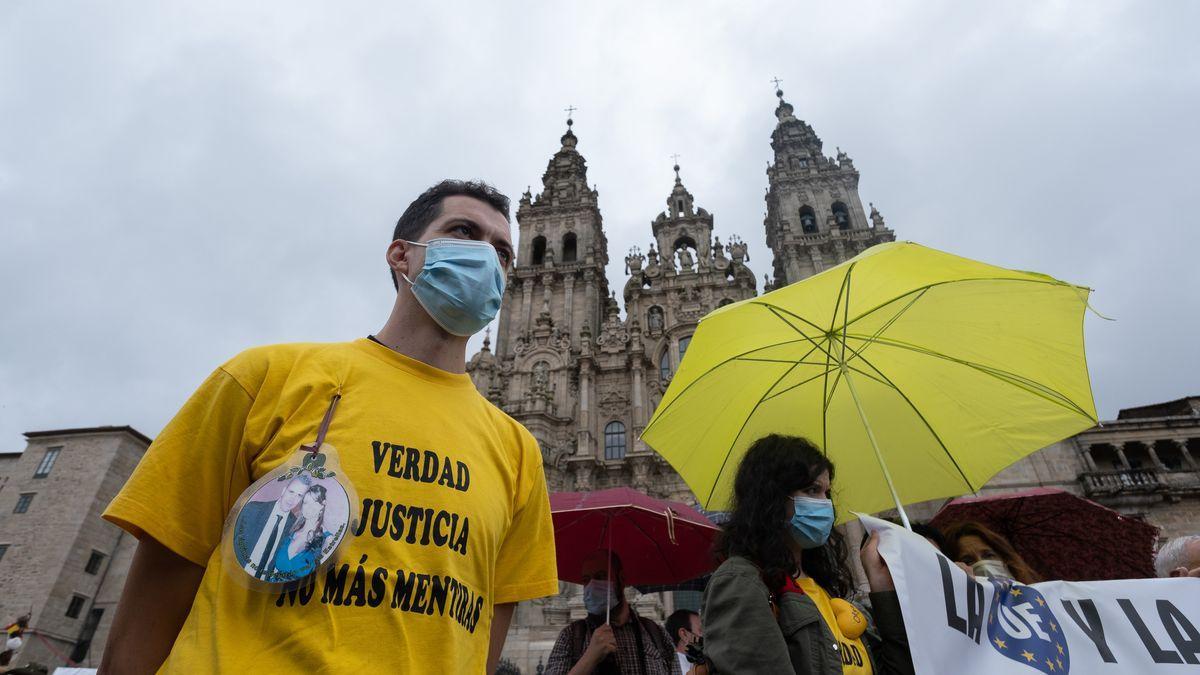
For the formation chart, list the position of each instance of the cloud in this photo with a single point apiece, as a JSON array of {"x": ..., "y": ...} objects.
[{"x": 180, "y": 182}]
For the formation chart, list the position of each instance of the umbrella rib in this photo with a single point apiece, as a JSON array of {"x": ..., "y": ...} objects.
[
  {"x": 775, "y": 309},
  {"x": 657, "y": 547},
  {"x": 1045, "y": 282},
  {"x": 890, "y": 321},
  {"x": 843, "y": 289},
  {"x": 1033, "y": 387},
  {"x": 732, "y": 443},
  {"x": 924, "y": 421},
  {"x": 691, "y": 384},
  {"x": 781, "y": 392}
]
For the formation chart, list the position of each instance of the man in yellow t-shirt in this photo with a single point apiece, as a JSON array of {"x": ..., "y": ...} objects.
[{"x": 451, "y": 523}]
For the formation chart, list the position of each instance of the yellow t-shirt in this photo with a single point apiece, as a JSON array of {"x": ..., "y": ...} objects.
[
  {"x": 854, "y": 653},
  {"x": 251, "y": 414}
]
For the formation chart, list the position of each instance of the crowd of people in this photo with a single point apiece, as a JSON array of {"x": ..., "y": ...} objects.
[{"x": 783, "y": 599}]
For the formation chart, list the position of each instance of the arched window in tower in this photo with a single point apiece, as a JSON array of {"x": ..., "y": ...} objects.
[
  {"x": 614, "y": 440},
  {"x": 679, "y": 207},
  {"x": 683, "y": 345},
  {"x": 841, "y": 216},
  {"x": 664, "y": 365},
  {"x": 808, "y": 220},
  {"x": 569, "y": 247},
  {"x": 539, "y": 250}
]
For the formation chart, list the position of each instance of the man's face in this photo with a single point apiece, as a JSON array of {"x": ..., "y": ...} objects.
[
  {"x": 596, "y": 567},
  {"x": 461, "y": 217},
  {"x": 293, "y": 494},
  {"x": 696, "y": 629}
]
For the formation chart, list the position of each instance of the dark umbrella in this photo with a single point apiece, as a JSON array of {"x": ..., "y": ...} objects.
[
  {"x": 1060, "y": 535},
  {"x": 659, "y": 541}
]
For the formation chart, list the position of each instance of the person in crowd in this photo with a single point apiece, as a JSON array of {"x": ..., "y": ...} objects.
[
  {"x": 627, "y": 643},
  {"x": 986, "y": 553},
  {"x": 301, "y": 548},
  {"x": 414, "y": 433},
  {"x": 777, "y": 602},
  {"x": 683, "y": 626},
  {"x": 1179, "y": 557}
]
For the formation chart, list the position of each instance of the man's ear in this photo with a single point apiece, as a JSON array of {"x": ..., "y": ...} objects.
[{"x": 397, "y": 257}]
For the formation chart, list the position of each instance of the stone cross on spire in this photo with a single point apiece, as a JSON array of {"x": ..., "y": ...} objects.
[{"x": 676, "y": 158}]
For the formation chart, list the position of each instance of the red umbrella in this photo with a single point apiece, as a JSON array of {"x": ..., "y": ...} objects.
[
  {"x": 658, "y": 541},
  {"x": 1060, "y": 535}
]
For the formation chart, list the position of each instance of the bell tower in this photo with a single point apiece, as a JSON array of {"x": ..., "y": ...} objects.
[
  {"x": 815, "y": 218},
  {"x": 561, "y": 255}
]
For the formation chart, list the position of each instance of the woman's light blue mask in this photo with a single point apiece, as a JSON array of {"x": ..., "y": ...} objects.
[
  {"x": 460, "y": 285},
  {"x": 812, "y": 521}
]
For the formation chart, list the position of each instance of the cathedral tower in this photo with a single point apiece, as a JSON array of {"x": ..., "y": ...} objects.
[
  {"x": 555, "y": 301},
  {"x": 815, "y": 218}
]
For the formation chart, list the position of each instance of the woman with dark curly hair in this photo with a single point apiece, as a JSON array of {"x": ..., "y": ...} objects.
[{"x": 777, "y": 602}]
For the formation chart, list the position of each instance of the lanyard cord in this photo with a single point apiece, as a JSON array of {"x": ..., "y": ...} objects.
[{"x": 324, "y": 428}]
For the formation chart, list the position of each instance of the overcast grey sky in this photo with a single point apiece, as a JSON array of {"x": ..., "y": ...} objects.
[{"x": 178, "y": 183}]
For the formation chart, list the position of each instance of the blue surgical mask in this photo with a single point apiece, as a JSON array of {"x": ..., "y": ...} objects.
[
  {"x": 460, "y": 285},
  {"x": 812, "y": 521},
  {"x": 598, "y": 596}
]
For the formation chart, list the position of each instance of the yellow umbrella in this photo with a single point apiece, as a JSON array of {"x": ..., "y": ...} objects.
[{"x": 920, "y": 373}]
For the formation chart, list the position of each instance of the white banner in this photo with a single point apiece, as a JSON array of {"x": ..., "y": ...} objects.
[{"x": 958, "y": 623}]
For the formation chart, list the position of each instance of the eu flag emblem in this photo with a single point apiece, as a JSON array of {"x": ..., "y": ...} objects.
[{"x": 1021, "y": 626}]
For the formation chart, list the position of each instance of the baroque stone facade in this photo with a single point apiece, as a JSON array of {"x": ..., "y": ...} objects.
[
  {"x": 585, "y": 379},
  {"x": 59, "y": 561}
]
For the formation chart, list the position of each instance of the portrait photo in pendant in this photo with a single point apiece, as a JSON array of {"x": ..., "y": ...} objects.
[{"x": 290, "y": 527}]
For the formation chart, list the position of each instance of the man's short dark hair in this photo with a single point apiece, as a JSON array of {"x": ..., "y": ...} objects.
[
  {"x": 680, "y": 618},
  {"x": 426, "y": 208}
]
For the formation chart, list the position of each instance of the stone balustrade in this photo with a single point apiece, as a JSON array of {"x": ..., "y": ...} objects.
[{"x": 1129, "y": 481}]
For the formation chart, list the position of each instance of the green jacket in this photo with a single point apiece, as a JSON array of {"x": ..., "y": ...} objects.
[{"x": 742, "y": 635}]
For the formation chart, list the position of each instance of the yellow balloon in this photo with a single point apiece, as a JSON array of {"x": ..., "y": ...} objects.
[{"x": 850, "y": 621}]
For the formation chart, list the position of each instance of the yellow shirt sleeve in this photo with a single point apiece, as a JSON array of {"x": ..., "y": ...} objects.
[
  {"x": 191, "y": 474},
  {"x": 526, "y": 567}
]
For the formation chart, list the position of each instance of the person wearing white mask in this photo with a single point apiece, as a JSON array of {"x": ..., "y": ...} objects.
[
  {"x": 613, "y": 639},
  {"x": 985, "y": 553}
]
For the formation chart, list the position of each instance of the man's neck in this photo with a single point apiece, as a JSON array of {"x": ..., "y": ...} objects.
[
  {"x": 411, "y": 332},
  {"x": 620, "y": 614}
]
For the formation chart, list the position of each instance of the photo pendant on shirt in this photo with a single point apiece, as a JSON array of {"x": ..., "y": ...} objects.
[{"x": 291, "y": 522}]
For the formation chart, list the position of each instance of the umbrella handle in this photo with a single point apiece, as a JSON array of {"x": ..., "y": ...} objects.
[{"x": 875, "y": 446}]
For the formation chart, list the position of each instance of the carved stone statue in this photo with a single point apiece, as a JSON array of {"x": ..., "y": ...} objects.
[
  {"x": 652, "y": 265},
  {"x": 685, "y": 259},
  {"x": 548, "y": 259},
  {"x": 738, "y": 251},
  {"x": 541, "y": 375},
  {"x": 654, "y": 319},
  {"x": 876, "y": 217},
  {"x": 633, "y": 261}
]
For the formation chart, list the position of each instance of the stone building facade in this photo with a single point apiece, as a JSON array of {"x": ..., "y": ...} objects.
[
  {"x": 59, "y": 561},
  {"x": 584, "y": 376}
]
